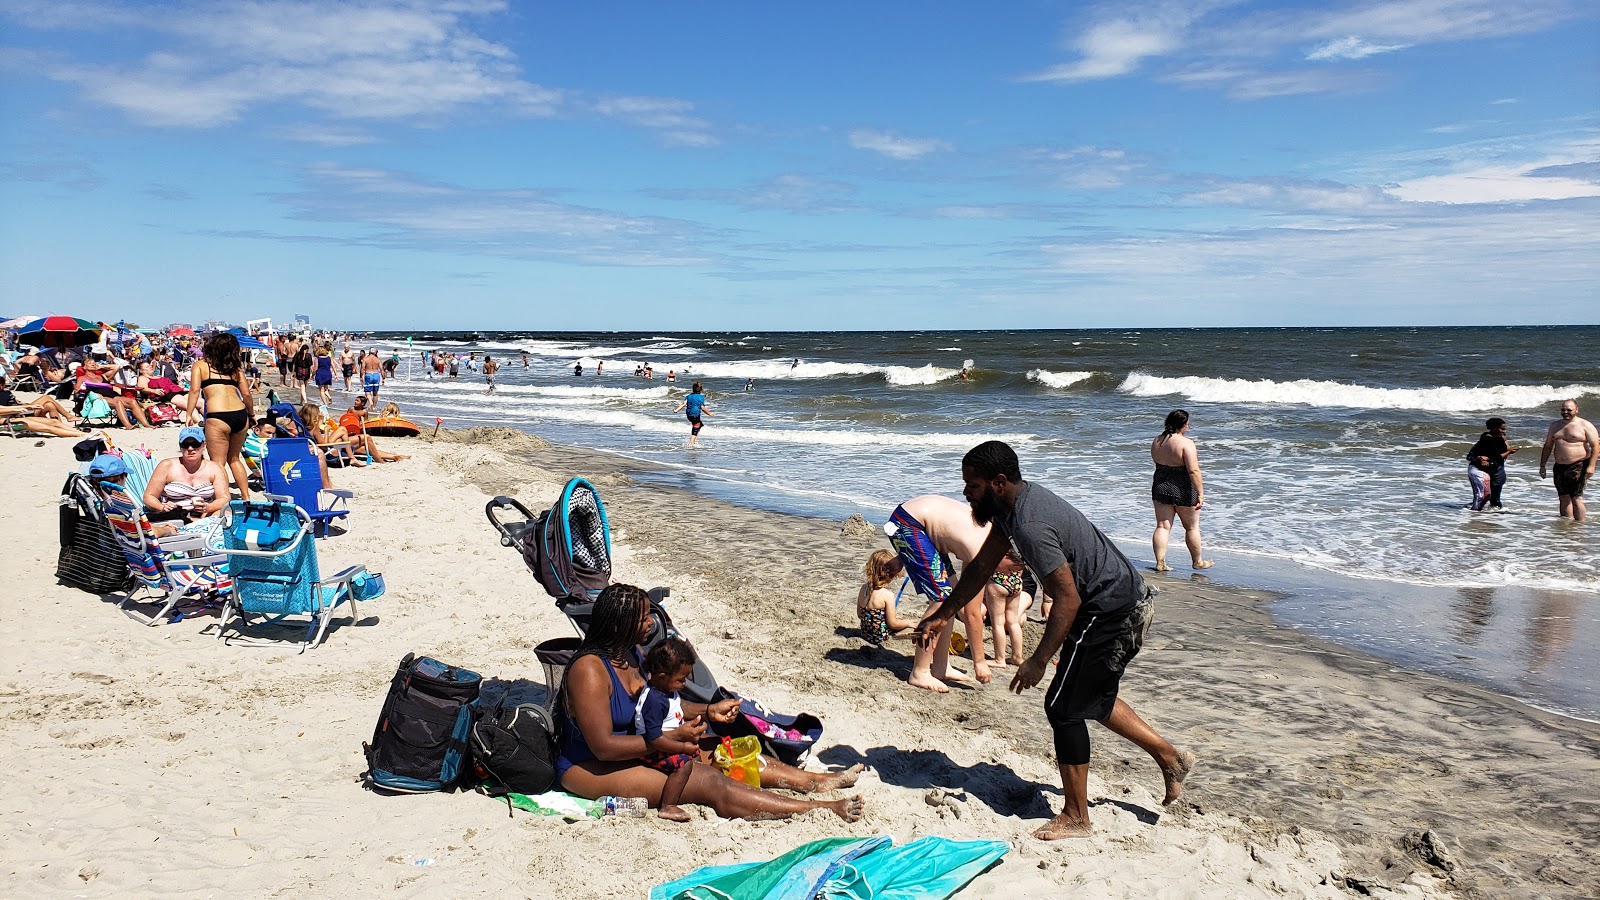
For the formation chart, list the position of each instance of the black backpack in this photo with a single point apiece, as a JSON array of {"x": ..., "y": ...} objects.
[
  {"x": 90, "y": 558},
  {"x": 420, "y": 743},
  {"x": 515, "y": 746}
]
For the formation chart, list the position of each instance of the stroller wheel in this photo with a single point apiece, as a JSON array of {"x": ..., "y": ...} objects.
[{"x": 505, "y": 541}]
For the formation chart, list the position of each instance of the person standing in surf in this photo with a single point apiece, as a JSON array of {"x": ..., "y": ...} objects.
[
  {"x": 1573, "y": 445},
  {"x": 489, "y": 368},
  {"x": 1486, "y": 465},
  {"x": 694, "y": 406},
  {"x": 1101, "y": 613},
  {"x": 1176, "y": 490}
]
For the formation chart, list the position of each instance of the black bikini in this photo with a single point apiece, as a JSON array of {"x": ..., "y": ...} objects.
[
  {"x": 1173, "y": 486},
  {"x": 237, "y": 420}
]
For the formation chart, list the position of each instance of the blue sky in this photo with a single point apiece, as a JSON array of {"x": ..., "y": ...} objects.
[{"x": 479, "y": 164}]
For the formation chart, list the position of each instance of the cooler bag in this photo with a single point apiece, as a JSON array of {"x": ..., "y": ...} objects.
[{"x": 420, "y": 743}]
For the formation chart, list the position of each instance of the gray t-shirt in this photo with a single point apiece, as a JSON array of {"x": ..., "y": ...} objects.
[{"x": 1049, "y": 531}]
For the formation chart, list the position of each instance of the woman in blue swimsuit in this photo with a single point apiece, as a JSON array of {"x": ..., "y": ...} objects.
[{"x": 601, "y": 755}]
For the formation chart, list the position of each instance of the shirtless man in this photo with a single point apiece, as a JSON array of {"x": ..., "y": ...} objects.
[
  {"x": 926, "y": 533},
  {"x": 1576, "y": 446},
  {"x": 371, "y": 376}
]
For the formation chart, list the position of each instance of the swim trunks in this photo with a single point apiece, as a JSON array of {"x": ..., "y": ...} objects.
[
  {"x": 1570, "y": 478},
  {"x": 929, "y": 570},
  {"x": 1093, "y": 658},
  {"x": 1173, "y": 486},
  {"x": 371, "y": 381},
  {"x": 694, "y": 424}
]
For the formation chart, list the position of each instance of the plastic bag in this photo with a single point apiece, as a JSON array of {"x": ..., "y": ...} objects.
[
  {"x": 557, "y": 803},
  {"x": 740, "y": 758}
]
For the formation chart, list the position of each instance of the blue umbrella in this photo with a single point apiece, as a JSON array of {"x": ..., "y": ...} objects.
[{"x": 246, "y": 342}]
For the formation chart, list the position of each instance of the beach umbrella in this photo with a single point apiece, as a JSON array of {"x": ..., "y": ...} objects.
[
  {"x": 181, "y": 331},
  {"x": 59, "y": 331},
  {"x": 246, "y": 342},
  {"x": 18, "y": 322}
]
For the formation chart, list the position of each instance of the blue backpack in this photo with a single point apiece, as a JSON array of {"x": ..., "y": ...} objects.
[{"x": 420, "y": 743}]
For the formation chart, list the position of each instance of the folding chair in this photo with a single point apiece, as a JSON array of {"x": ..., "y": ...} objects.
[
  {"x": 293, "y": 468},
  {"x": 178, "y": 566},
  {"x": 273, "y": 561}
]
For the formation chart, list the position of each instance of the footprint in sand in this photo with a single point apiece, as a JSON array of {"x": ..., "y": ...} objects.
[{"x": 94, "y": 677}]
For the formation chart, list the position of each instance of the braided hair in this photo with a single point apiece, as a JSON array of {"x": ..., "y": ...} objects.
[
  {"x": 1175, "y": 422},
  {"x": 613, "y": 627}
]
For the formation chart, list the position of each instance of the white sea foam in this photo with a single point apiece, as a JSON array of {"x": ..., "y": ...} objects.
[
  {"x": 468, "y": 385},
  {"x": 1058, "y": 379},
  {"x": 1353, "y": 396},
  {"x": 784, "y": 369}
]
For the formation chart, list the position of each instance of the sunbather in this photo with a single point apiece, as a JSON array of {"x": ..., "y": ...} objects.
[
  {"x": 42, "y": 406},
  {"x": 26, "y": 426},
  {"x": 330, "y": 437},
  {"x": 189, "y": 486},
  {"x": 354, "y": 423},
  {"x": 601, "y": 753}
]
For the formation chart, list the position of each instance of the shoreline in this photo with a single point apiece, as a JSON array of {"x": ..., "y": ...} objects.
[{"x": 1323, "y": 772}]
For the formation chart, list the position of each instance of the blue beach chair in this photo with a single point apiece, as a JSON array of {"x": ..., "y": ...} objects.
[
  {"x": 272, "y": 560},
  {"x": 292, "y": 469}
]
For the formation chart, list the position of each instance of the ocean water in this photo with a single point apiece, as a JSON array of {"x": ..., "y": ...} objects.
[{"x": 1329, "y": 454}]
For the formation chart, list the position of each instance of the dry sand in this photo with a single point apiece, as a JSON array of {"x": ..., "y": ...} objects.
[{"x": 158, "y": 762}]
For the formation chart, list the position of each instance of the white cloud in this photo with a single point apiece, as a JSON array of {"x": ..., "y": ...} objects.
[
  {"x": 1493, "y": 184},
  {"x": 895, "y": 146},
  {"x": 384, "y": 60},
  {"x": 326, "y": 136},
  {"x": 1110, "y": 49},
  {"x": 1351, "y": 48},
  {"x": 672, "y": 116}
]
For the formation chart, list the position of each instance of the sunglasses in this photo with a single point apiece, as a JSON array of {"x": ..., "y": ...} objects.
[{"x": 190, "y": 445}]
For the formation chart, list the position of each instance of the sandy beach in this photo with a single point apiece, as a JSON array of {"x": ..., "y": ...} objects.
[{"x": 158, "y": 762}]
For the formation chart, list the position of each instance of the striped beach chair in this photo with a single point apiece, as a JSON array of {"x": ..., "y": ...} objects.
[{"x": 174, "y": 567}]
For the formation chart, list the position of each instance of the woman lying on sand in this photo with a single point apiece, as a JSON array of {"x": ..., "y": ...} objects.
[{"x": 600, "y": 754}]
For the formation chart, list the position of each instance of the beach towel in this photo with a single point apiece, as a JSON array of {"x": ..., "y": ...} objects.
[{"x": 854, "y": 868}]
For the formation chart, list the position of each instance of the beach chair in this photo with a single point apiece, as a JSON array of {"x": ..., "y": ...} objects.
[
  {"x": 292, "y": 469},
  {"x": 140, "y": 469},
  {"x": 175, "y": 567},
  {"x": 272, "y": 559}
]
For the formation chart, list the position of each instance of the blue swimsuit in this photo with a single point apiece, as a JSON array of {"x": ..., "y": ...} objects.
[{"x": 574, "y": 749}]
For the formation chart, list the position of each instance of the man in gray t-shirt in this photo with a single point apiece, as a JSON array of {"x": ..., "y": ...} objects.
[{"x": 1098, "y": 622}]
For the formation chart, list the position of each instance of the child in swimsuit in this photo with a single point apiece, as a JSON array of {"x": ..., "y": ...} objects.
[
  {"x": 659, "y": 713},
  {"x": 875, "y": 603},
  {"x": 1006, "y": 602}
]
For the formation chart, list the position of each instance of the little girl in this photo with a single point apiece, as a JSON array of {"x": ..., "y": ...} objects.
[
  {"x": 659, "y": 713},
  {"x": 1006, "y": 602},
  {"x": 875, "y": 603}
]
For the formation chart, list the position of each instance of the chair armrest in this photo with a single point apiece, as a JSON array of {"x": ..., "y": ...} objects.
[
  {"x": 344, "y": 493},
  {"x": 182, "y": 542},
  {"x": 345, "y": 576}
]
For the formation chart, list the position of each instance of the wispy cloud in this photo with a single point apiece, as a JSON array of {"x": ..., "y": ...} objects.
[
  {"x": 790, "y": 192},
  {"x": 325, "y": 135},
  {"x": 671, "y": 117},
  {"x": 1351, "y": 48},
  {"x": 895, "y": 146},
  {"x": 397, "y": 210},
  {"x": 165, "y": 192},
  {"x": 1255, "y": 54},
  {"x": 50, "y": 164}
]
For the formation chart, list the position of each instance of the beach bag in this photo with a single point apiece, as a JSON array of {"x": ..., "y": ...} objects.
[
  {"x": 162, "y": 414},
  {"x": 420, "y": 742},
  {"x": 788, "y": 739},
  {"x": 90, "y": 558},
  {"x": 515, "y": 747}
]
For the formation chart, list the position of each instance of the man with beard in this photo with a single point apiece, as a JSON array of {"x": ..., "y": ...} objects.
[
  {"x": 1572, "y": 443},
  {"x": 1101, "y": 612}
]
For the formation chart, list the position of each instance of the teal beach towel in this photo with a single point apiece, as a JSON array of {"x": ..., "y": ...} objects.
[{"x": 845, "y": 869}]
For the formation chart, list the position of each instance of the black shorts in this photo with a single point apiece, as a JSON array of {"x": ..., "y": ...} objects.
[
  {"x": 1570, "y": 478},
  {"x": 1089, "y": 672},
  {"x": 694, "y": 424}
]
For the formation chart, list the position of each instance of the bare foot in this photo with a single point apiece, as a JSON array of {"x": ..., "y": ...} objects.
[
  {"x": 953, "y": 675},
  {"x": 1161, "y": 566},
  {"x": 850, "y": 809},
  {"x": 1062, "y": 827},
  {"x": 1016, "y": 662},
  {"x": 1175, "y": 776},
  {"x": 836, "y": 780},
  {"x": 1204, "y": 564},
  {"x": 673, "y": 813},
  {"x": 927, "y": 682}
]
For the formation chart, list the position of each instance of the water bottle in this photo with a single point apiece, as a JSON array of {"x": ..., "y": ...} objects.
[{"x": 624, "y": 806}]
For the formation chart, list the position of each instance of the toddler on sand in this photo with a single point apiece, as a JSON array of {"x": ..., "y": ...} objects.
[
  {"x": 659, "y": 713},
  {"x": 875, "y": 603}
]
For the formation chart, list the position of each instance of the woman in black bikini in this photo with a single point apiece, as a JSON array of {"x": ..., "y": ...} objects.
[
  {"x": 218, "y": 381},
  {"x": 1177, "y": 489}
]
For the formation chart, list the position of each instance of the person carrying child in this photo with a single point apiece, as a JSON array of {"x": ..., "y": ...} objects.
[
  {"x": 659, "y": 713},
  {"x": 875, "y": 603}
]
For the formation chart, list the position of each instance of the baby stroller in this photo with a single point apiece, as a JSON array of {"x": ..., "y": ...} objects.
[{"x": 568, "y": 548}]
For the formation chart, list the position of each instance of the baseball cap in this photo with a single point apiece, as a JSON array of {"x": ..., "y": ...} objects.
[
  {"x": 107, "y": 465},
  {"x": 191, "y": 433}
]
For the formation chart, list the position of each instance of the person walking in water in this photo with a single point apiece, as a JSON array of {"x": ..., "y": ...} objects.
[
  {"x": 1486, "y": 465},
  {"x": 489, "y": 368},
  {"x": 1177, "y": 490},
  {"x": 1098, "y": 623},
  {"x": 694, "y": 406},
  {"x": 1573, "y": 445}
]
